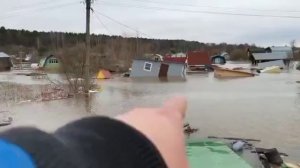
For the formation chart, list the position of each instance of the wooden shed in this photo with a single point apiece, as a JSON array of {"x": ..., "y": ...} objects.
[{"x": 5, "y": 62}]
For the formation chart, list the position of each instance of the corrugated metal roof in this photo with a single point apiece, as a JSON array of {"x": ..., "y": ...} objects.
[
  {"x": 271, "y": 56},
  {"x": 4, "y": 55}
]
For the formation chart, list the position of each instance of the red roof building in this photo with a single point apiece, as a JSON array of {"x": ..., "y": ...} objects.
[{"x": 198, "y": 58}]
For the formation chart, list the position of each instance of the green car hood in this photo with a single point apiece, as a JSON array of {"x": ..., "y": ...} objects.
[{"x": 213, "y": 154}]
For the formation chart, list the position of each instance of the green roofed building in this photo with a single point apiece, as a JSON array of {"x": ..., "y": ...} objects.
[{"x": 50, "y": 63}]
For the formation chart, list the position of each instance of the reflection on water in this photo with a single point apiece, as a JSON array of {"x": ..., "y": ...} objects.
[
  {"x": 266, "y": 107},
  {"x": 88, "y": 104}
]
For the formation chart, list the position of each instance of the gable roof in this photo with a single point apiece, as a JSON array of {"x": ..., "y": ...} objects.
[
  {"x": 4, "y": 55},
  {"x": 271, "y": 56}
]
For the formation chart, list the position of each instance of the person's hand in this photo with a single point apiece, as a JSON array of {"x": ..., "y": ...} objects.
[{"x": 164, "y": 127}]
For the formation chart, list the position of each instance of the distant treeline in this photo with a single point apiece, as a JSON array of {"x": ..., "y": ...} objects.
[{"x": 112, "y": 49}]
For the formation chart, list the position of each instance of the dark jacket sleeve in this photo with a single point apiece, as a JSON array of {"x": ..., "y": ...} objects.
[{"x": 96, "y": 142}]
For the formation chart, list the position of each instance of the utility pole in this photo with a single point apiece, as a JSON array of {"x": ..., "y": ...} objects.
[
  {"x": 137, "y": 44},
  {"x": 88, "y": 46}
]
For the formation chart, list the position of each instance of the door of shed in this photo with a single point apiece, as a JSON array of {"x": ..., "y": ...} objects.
[{"x": 163, "y": 72}]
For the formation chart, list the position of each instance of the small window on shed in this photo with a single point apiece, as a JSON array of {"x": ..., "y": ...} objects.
[
  {"x": 53, "y": 61},
  {"x": 147, "y": 66}
]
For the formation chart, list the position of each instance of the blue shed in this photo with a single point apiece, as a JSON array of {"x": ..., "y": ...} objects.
[{"x": 218, "y": 59}]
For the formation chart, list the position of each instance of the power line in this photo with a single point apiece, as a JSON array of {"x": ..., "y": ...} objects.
[
  {"x": 36, "y": 9},
  {"x": 98, "y": 18},
  {"x": 18, "y": 13},
  {"x": 120, "y": 23},
  {"x": 33, "y": 6},
  {"x": 202, "y": 11},
  {"x": 215, "y": 7},
  {"x": 45, "y": 2}
]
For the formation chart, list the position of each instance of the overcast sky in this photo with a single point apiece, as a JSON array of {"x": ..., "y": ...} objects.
[{"x": 199, "y": 20}]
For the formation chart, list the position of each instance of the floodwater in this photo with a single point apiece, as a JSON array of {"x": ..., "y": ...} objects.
[{"x": 265, "y": 107}]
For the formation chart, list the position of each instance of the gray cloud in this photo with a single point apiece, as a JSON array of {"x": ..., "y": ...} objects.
[{"x": 34, "y": 15}]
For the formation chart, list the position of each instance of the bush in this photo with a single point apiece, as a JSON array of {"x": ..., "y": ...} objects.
[{"x": 238, "y": 55}]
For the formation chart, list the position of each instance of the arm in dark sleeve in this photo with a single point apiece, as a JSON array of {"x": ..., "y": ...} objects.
[{"x": 95, "y": 142}]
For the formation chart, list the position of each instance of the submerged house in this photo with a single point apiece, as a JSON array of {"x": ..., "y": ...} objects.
[
  {"x": 198, "y": 61},
  {"x": 271, "y": 59},
  {"x": 5, "y": 62},
  {"x": 271, "y": 56},
  {"x": 152, "y": 68},
  {"x": 50, "y": 63}
]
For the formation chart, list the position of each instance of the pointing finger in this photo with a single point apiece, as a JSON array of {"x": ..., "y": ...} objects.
[{"x": 176, "y": 106}]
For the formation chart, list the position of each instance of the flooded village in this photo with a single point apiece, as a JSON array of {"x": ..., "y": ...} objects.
[
  {"x": 258, "y": 99},
  {"x": 241, "y": 79}
]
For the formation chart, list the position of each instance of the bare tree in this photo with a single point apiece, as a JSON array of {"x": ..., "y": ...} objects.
[{"x": 72, "y": 65}]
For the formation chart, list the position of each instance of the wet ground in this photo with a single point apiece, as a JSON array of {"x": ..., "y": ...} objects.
[{"x": 265, "y": 107}]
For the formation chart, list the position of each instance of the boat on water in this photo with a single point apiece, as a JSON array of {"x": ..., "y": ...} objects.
[
  {"x": 230, "y": 73},
  {"x": 230, "y": 153}
]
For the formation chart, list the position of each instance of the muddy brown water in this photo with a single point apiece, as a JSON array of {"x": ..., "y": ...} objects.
[{"x": 265, "y": 107}]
